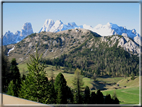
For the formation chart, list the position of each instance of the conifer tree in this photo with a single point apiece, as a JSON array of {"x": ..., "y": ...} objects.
[
  {"x": 52, "y": 94},
  {"x": 60, "y": 89},
  {"x": 69, "y": 95},
  {"x": 108, "y": 99},
  {"x": 78, "y": 83},
  {"x": 35, "y": 85},
  {"x": 100, "y": 97},
  {"x": 5, "y": 72},
  {"x": 15, "y": 74},
  {"x": 93, "y": 98},
  {"x": 60, "y": 96},
  {"x": 87, "y": 95},
  {"x": 11, "y": 88}
]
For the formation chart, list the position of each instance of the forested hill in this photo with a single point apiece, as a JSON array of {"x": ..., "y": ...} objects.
[
  {"x": 101, "y": 60},
  {"x": 79, "y": 48}
]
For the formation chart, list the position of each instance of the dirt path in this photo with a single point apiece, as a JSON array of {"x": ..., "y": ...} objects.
[{"x": 11, "y": 100}]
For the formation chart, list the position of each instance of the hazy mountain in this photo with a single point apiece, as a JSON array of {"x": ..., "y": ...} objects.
[{"x": 10, "y": 38}]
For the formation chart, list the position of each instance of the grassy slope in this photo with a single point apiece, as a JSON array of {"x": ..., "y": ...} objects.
[
  {"x": 128, "y": 95},
  {"x": 68, "y": 77}
]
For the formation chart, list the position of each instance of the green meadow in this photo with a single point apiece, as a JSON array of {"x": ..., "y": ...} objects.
[{"x": 127, "y": 91}]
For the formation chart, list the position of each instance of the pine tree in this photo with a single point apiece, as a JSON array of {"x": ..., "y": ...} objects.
[
  {"x": 100, "y": 97},
  {"x": 69, "y": 95},
  {"x": 87, "y": 95},
  {"x": 11, "y": 88},
  {"x": 15, "y": 74},
  {"x": 108, "y": 99},
  {"x": 93, "y": 98},
  {"x": 60, "y": 88},
  {"x": 52, "y": 94},
  {"x": 132, "y": 76},
  {"x": 78, "y": 83},
  {"x": 60, "y": 96},
  {"x": 5, "y": 73},
  {"x": 35, "y": 85}
]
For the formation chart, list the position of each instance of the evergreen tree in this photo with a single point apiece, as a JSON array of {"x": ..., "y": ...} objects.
[
  {"x": 108, "y": 99},
  {"x": 60, "y": 96},
  {"x": 69, "y": 95},
  {"x": 15, "y": 74},
  {"x": 5, "y": 72},
  {"x": 11, "y": 89},
  {"x": 87, "y": 95},
  {"x": 93, "y": 98},
  {"x": 132, "y": 76},
  {"x": 116, "y": 101},
  {"x": 100, "y": 97},
  {"x": 52, "y": 94},
  {"x": 60, "y": 88},
  {"x": 78, "y": 83},
  {"x": 35, "y": 85}
]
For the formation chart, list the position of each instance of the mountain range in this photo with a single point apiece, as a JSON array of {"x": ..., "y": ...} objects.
[
  {"x": 10, "y": 38},
  {"x": 104, "y": 30},
  {"x": 56, "y": 26}
]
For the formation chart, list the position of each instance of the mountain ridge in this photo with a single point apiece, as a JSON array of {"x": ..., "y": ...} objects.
[
  {"x": 10, "y": 38},
  {"x": 56, "y": 26},
  {"x": 103, "y": 30}
]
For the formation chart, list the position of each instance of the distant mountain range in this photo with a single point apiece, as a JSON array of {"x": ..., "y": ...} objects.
[
  {"x": 56, "y": 26},
  {"x": 10, "y": 38}
]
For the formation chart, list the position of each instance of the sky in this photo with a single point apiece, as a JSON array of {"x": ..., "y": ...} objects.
[{"x": 122, "y": 14}]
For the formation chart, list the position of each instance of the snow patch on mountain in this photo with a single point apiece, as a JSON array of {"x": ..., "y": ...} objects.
[{"x": 10, "y": 50}]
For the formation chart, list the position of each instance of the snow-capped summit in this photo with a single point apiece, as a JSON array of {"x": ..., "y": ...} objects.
[
  {"x": 113, "y": 29},
  {"x": 104, "y": 30},
  {"x": 10, "y": 38},
  {"x": 26, "y": 30},
  {"x": 51, "y": 26}
]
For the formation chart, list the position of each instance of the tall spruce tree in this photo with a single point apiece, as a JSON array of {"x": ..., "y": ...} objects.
[
  {"x": 93, "y": 98},
  {"x": 15, "y": 74},
  {"x": 100, "y": 97},
  {"x": 5, "y": 72},
  {"x": 69, "y": 95},
  {"x": 52, "y": 94},
  {"x": 78, "y": 83},
  {"x": 15, "y": 77},
  {"x": 35, "y": 85},
  {"x": 87, "y": 95},
  {"x": 108, "y": 99},
  {"x": 11, "y": 88},
  {"x": 60, "y": 89}
]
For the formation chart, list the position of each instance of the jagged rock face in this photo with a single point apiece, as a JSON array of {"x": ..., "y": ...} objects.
[
  {"x": 104, "y": 30},
  {"x": 10, "y": 38},
  {"x": 51, "y": 26}
]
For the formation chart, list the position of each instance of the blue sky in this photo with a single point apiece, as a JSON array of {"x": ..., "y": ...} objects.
[{"x": 122, "y": 14}]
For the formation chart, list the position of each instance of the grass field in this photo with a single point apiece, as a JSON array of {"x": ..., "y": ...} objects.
[
  {"x": 69, "y": 77},
  {"x": 127, "y": 95}
]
